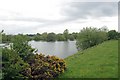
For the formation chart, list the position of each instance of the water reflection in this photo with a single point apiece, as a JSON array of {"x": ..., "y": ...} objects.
[{"x": 61, "y": 49}]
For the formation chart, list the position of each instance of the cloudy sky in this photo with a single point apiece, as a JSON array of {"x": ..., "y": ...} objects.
[{"x": 38, "y": 16}]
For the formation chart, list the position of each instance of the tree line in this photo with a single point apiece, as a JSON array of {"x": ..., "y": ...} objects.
[{"x": 65, "y": 36}]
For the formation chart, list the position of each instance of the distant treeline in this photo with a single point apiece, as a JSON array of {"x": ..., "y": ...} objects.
[
  {"x": 65, "y": 36},
  {"x": 54, "y": 37}
]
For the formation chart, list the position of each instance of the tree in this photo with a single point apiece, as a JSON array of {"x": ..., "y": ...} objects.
[
  {"x": 112, "y": 34},
  {"x": 89, "y": 37},
  {"x": 118, "y": 35},
  {"x": 20, "y": 45},
  {"x": 6, "y": 38},
  {"x": 38, "y": 37},
  {"x": 60, "y": 37},
  {"x": 66, "y": 34},
  {"x": 51, "y": 37},
  {"x": 30, "y": 36},
  {"x": 71, "y": 37},
  {"x": 44, "y": 36},
  {"x": 75, "y": 35}
]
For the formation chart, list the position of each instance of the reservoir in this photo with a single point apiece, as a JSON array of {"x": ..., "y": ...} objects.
[{"x": 61, "y": 49}]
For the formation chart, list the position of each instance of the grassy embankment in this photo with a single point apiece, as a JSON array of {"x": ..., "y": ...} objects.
[{"x": 100, "y": 61}]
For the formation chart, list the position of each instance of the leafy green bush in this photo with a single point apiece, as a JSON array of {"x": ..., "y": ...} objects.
[
  {"x": 89, "y": 37},
  {"x": 51, "y": 37},
  {"x": 60, "y": 37},
  {"x": 12, "y": 64},
  {"x": 71, "y": 37},
  {"x": 112, "y": 34},
  {"x": 42, "y": 67},
  {"x": 20, "y": 45}
]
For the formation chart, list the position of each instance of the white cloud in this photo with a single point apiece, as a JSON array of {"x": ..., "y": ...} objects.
[
  {"x": 47, "y": 9},
  {"x": 33, "y": 16}
]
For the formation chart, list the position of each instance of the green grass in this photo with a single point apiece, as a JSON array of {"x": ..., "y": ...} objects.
[{"x": 100, "y": 61}]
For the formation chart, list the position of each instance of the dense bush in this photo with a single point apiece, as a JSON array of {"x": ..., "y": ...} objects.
[
  {"x": 44, "y": 36},
  {"x": 71, "y": 37},
  {"x": 42, "y": 67},
  {"x": 37, "y": 37},
  {"x": 51, "y": 37},
  {"x": 112, "y": 34},
  {"x": 20, "y": 45},
  {"x": 89, "y": 37},
  {"x": 6, "y": 38},
  {"x": 12, "y": 64},
  {"x": 75, "y": 35},
  {"x": 60, "y": 37}
]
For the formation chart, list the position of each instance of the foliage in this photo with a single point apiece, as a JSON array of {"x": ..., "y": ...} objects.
[
  {"x": 60, "y": 37},
  {"x": 66, "y": 34},
  {"x": 118, "y": 35},
  {"x": 12, "y": 64},
  {"x": 71, "y": 37},
  {"x": 112, "y": 34},
  {"x": 30, "y": 36},
  {"x": 38, "y": 37},
  {"x": 0, "y": 38},
  {"x": 6, "y": 38},
  {"x": 20, "y": 45},
  {"x": 44, "y": 67},
  {"x": 51, "y": 37},
  {"x": 89, "y": 37},
  {"x": 44, "y": 36},
  {"x": 20, "y": 62},
  {"x": 75, "y": 35}
]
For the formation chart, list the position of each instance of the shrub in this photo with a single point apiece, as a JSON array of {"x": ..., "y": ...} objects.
[
  {"x": 71, "y": 37},
  {"x": 89, "y": 37},
  {"x": 42, "y": 67},
  {"x": 60, "y": 37},
  {"x": 20, "y": 45},
  {"x": 51, "y": 37},
  {"x": 12, "y": 65},
  {"x": 112, "y": 34}
]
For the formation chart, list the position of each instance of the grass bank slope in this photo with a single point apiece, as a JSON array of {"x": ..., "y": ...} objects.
[{"x": 100, "y": 61}]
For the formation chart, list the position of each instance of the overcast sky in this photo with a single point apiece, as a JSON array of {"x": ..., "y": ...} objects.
[{"x": 38, "y": 16}]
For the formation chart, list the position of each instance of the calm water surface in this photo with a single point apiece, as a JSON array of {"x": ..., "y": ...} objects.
[{"x": 61, "y": 49}]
